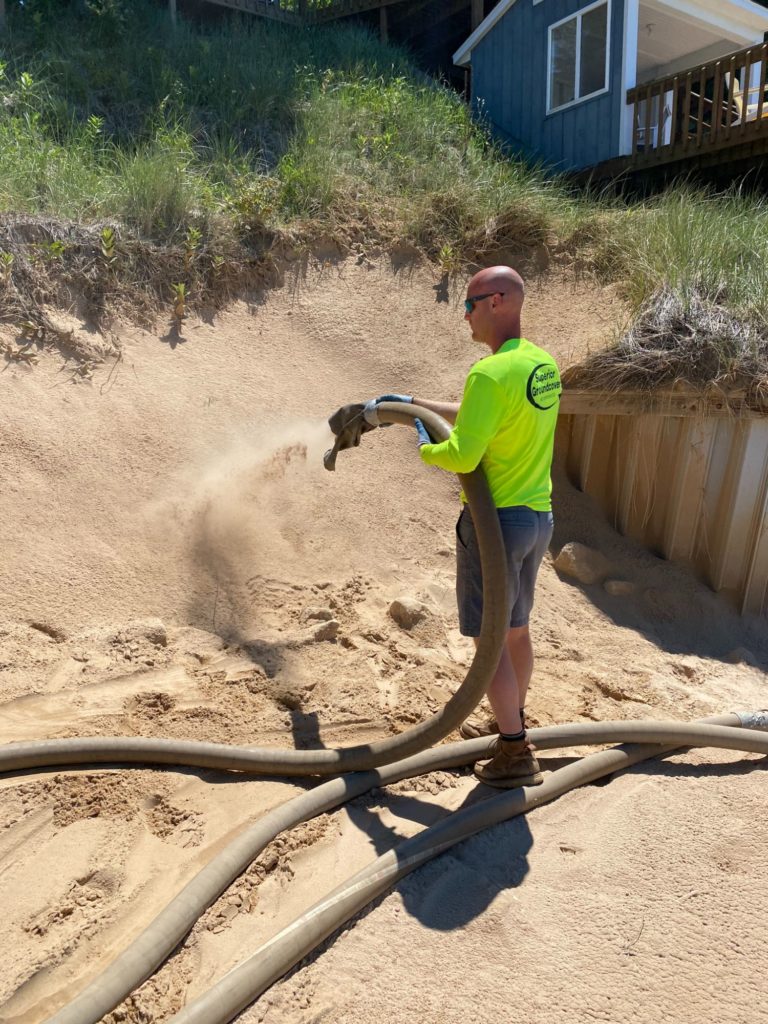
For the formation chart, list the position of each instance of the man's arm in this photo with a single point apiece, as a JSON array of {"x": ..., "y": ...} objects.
[
  {"x": 482, "y": 410},
  {"x": 448, "y": 410}
]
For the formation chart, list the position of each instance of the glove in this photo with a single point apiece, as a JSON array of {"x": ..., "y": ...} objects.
[
  {"x": 370, "y": 410},
  {"x": 421, "y": 431}
]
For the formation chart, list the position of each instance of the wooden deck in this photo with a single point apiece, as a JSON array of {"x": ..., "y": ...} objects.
[{"x": 710, "y": 113}]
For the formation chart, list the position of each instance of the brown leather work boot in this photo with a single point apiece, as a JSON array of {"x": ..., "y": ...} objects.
[
  {"x": 474, "y": 728},
  {"x": 513, "y": 764}
]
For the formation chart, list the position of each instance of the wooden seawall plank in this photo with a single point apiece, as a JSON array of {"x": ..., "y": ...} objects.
[{"x": 690, "y": 484}]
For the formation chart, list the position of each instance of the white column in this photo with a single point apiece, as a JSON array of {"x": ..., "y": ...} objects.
[{"x": 629, "y": 73}]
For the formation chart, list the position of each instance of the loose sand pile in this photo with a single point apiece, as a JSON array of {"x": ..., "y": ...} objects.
[{"x": 177, "y": 563}]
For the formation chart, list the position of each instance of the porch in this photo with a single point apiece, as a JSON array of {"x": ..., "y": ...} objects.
[
  {"x": 714, "y": 110},
  {"x": 695, "y": 81}
]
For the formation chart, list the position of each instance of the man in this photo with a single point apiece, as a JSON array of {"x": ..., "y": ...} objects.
[{"x": 505, "y": 422}]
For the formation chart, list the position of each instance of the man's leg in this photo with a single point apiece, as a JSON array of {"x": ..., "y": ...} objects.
[
  {"x": 513, "y": 761},
  {"x": 504, "y": 695},
  {"x": 509, "y": 686},
  {"x": 520, "y": 651}
]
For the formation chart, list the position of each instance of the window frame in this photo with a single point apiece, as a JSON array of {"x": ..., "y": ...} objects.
[{"x": 577, "y": 16}]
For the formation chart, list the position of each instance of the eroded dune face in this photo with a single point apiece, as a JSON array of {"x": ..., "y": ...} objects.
[{"x": 177, "y": 563}]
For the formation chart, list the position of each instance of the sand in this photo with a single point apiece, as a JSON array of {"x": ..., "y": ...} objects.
[{"x": 173, "y": 551}]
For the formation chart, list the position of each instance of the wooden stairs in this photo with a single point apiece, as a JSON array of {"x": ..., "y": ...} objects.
[
  {"x": 430, "y": 29},
  {"x": 272, "y": 9},
  {"x": 348, "y": 8},
  {"x": 299, "y": 12}
]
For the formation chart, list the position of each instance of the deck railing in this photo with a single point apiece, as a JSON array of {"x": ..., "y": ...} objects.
[{"x": 714, "y": 106}]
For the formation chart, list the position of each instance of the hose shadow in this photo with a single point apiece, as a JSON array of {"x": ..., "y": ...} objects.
[
  {"x": 443, "y": 909},
  {"x": 667, "y": 768}
]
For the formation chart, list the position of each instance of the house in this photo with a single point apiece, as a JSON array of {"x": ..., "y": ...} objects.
[{"x": 623, "y": 83}]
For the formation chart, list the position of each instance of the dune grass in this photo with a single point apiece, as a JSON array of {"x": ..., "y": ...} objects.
[{"x": 106, "y": 118}]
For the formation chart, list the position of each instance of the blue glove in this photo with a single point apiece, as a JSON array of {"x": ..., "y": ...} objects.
[
  {"x": 370, "y": 412},
  {"x": 421, "y": 431}
]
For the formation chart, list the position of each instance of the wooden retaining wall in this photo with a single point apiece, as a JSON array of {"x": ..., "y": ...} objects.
[{"x": 686, "y": 476}]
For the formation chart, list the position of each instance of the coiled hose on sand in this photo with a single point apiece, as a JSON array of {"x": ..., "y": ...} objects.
[
  {"x": 370, "y": 765},
  {"x": 244, "y": 984}
]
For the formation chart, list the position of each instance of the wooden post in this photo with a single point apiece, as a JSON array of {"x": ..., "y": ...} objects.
[
  {"x": 172, "y": 11},
  {"x": 302, "y": 8},
  {"x": 384, "y": 24},
  {"x": 2, "y": 15},
  {"x": 478, "y": 13}
]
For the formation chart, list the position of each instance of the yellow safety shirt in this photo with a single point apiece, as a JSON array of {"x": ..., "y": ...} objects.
[{"x": 506, "y": 422}]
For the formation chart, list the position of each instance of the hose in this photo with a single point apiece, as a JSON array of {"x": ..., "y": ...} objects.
[
  {"x": 156, "y": 942},
  {"x": 246, "y": 982},
  {"x": 365, "y": 756},
  {"x": 271, "y": 761}
]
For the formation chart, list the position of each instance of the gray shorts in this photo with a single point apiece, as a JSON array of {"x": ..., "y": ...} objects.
[{"x": 526, "y": 537}]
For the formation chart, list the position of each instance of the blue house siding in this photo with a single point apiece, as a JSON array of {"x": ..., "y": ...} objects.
[{"x": 509, "y": 88}]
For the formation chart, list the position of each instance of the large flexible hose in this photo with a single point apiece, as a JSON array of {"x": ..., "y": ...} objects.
[
  {"x": 270, "y": 761},
  {"x": 362, "y": 757},
  {"x": 162, "y": 935},
  {"x": 246, "y": 982}
]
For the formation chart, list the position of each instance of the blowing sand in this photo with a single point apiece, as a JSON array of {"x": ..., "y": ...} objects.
[{"x": 173, "y": 554}]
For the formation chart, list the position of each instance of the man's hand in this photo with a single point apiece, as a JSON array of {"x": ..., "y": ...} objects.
[
  {"x": 421, "y": 432},
  {"x": 371, "y": 413}
]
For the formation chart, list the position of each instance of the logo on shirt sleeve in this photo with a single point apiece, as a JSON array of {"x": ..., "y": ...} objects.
[{"x": 544, "y": 387}]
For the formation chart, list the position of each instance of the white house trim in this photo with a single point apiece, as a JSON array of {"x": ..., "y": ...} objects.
[
  {"x": 740, "y": 18},
  {"x": 571, "y": 17},
  {"x": 463, "y": 56},
  {"x": 628, "y": 73}
]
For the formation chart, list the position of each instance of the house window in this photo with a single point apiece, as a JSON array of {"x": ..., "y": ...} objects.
[{"x": 578, "y": 56}]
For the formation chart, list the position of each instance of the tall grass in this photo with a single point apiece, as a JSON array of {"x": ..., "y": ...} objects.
[
  {"x": 249, "y": 123},
  {"x": 317, "y": 123},
  {"x": 695, "y": 243}
]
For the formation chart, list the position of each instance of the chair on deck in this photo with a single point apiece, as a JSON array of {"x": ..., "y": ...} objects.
[
  {"x": 655, "y": 130},
  {"x": 744, "y": 102}
]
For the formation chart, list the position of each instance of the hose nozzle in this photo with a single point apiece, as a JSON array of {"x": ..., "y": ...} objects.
[{"x": 349, "y": 425}]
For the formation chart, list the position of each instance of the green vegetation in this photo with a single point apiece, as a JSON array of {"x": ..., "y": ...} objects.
[
  {"x": 254, "y": 121},
  {"x": 195, "y": 137}
]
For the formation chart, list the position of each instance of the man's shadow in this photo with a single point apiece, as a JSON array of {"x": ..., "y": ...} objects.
[
  {"x": 460, "y": 884},
  {"x": 450, "y": 891}
]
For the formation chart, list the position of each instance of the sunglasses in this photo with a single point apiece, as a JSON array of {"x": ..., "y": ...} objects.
[{"x": 471, "y": 302}]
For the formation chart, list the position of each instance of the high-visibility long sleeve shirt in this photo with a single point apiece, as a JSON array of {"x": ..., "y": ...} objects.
[{"x": 506, "y": 423}]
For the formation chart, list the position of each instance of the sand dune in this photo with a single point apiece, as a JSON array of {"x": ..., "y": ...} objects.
[{"x": 174, "y": 551}]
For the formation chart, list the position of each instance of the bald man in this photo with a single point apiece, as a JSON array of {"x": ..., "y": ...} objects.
[{"x": 505, "y": 423}]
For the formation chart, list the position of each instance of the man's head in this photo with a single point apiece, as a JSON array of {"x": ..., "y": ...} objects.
[{"x": 493, "y": 305}]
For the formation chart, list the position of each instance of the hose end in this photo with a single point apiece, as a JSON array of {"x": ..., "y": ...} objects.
[{"x": 753, "y": 719}]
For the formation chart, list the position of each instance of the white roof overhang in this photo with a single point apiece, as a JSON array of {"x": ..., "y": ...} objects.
[
  {"x": 463, "y": 56},
  {"x": 742, "y": 19}
]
